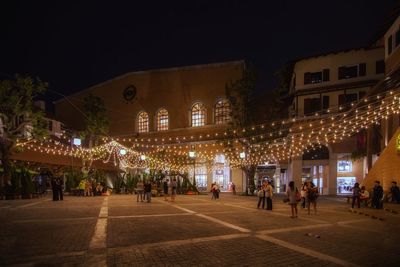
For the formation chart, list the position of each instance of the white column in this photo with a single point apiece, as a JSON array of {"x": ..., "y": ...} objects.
[
  {"x": 332, "y": 177},
  {"x": 295, "y": 171}
]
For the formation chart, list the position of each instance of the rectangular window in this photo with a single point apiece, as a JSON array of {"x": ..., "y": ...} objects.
[
  {"x": 347, "y": 72},
  {"x": 311, "y": 106},
  {"x": 312, "y": 77},
  {"x": 380, "y": 67},
  {"x": 325, "y": 75},
  {"x": 346, "y": 99},
  {"x": 390, "y": 44},
  {"x": 397, "y": 38},
  {"x": 344, "y": 166},
  {"x": 362, "y": 69}
]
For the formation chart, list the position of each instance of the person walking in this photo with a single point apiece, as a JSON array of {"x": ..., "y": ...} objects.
[
  {"x": 173, "y": 186},
  {"x": 233, "y": 188},
  {"x": 147, "y": 191},
  {"x": 139, "y": 190},
  {"x": 261, "y": 197},
  {"x": 268, "y": 195},
  {"x": 293, "y": 195},
  {"x": 377, "y": 196},
  {"x": 311, "y": 197},
  {"x": 165, "y": 189},
  {"x": 356, "y": 195}
]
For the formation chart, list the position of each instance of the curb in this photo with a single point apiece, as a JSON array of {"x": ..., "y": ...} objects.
[{"x": 367, "y": 214}]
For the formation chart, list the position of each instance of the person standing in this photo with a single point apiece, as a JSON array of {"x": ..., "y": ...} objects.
[
  {"x": 165, "y": 189},
  {"x": 356, "y": 195},
  {"x": 233, "y": 188},
  {"x": 395, "y": 192},
  {"x": 377, "y": 196},
  {"x": 139, "y": 190},
  {"x": 292, "y": 194},
  {"x": 59, "y": 181},
  {"x": 268, "y": 195},
  {"x": 214, "y": 191},
  {"x": 54, "y": 187},
  {"x": 147, "y": 191},
  {"x": 311, "y": 197},
  {"x": 173, "y": 186},
  {"x": 303, "y": 194},
  {"x": 261, "y": 197}
]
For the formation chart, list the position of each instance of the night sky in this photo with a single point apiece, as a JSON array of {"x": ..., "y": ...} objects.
[{"x": 76, "y": 45}]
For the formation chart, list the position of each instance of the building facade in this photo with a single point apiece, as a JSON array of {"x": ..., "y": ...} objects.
[
  {"x": 164, "y": 103},
  {"x": 322, "y": 86}
]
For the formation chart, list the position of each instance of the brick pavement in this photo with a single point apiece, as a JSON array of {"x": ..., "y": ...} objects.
[{"x": 193, "y": 231}]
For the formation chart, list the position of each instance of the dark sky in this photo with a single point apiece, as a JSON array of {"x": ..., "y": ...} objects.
[{"x": 76, "y": 44}]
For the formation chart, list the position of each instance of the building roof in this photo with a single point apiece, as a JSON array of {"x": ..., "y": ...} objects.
[
  {"x": 335, "y": 52},
  {"x": 190, "y": 67}
]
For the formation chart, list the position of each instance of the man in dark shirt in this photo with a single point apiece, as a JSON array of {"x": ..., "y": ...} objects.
[
  {"x": 395, "y": 192},
  {"x": 378, "y": 196},
  {"x": 147, "y": 190}
]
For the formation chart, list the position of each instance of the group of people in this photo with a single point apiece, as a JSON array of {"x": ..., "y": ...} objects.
[
  {"x": 170, "y": 189},
  {"x": 307, "y": 195},
  {"x": 143, "y": 191},
  {"x": 361, "y": 195},
  {"x": 265, "y": 192},
  {"x": 89, "y": 187},
  {"x": 215, "y": 190}
]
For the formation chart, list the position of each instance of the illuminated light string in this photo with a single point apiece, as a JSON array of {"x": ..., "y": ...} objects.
[
  {"x": 299, "y": 137},
  {"x": 283, "y": 124}
]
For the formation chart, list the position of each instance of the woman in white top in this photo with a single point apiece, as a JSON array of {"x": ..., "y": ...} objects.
[{"x": 291, "y": 193}]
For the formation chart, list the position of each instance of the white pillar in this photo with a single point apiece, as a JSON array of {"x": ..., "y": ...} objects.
[
  {"x": 295, "y": 171},
  {"x": 332, "y": 178}
]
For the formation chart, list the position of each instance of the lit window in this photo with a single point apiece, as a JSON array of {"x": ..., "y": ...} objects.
[
  {"x": 143, "y": 122},
  {"x": 162, "y": 120},
  {"x": 222, "y": 112},
  {"x": 198, "y": 115},
  {"x": 344, "y": 166}
]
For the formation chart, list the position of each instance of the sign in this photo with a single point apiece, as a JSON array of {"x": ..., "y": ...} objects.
[{"x": 398, "y": 144}]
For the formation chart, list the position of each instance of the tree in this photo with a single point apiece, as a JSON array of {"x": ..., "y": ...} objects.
[
  {"x": 240, "y": 94},
  {"x": 19, "y": 118},
  {"x": 96, "y": 119}
]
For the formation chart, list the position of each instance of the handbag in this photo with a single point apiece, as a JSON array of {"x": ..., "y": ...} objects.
[{"x": 298, "y": 196}]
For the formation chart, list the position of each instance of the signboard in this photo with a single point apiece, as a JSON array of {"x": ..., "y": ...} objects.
[{"x": 398, "y": 144}]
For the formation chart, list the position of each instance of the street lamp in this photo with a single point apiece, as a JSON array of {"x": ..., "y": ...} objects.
[
  {"x": 242, "y": 155},
  {"x": 142, "y": 157},
  {"x": 192, "y": 155}
]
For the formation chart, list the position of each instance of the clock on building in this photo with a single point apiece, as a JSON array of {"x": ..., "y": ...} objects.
[{"x": 129, "y": 93}]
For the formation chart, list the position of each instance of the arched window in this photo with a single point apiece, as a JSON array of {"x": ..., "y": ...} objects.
[
  {"x": 162, "y": 120},
  {"x": 198, "y": 115},
  {"x": 222, "y": 111},
  {"x": 143, "y": 122}
]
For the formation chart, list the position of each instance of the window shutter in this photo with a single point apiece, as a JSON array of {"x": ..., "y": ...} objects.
[
  {"x": 325, "y": 75},
  {"x": 362, "y": 69},
  {"x": 307, "y": 78},
  {"x": 342, "y": 73}
]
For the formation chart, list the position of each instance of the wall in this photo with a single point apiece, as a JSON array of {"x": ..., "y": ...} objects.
[
  {"x": 174, "y": 89},
  {"x": 387, "y": 168},
  {"x": 392, "y": 60},
  {"x": 335, "y": 60}
]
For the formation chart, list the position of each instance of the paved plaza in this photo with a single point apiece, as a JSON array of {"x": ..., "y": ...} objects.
[{"x": 193, "y": 231}]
